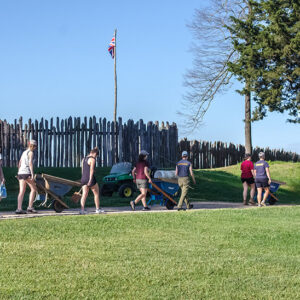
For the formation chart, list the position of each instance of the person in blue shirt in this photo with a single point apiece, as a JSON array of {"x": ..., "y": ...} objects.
[
  {"x": 183, "y": 170},
  {"x": 262, "y": 179}
]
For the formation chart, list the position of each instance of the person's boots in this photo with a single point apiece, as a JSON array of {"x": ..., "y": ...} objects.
[{"x": 245, "y": 202}]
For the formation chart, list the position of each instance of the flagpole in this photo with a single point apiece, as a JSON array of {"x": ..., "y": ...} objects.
[
  {"x": 115, "y": 110},
  {"x": 115, "y": 69}
]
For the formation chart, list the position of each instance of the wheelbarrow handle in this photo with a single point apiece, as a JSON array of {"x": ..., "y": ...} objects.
[{"x": 165, "y": 194}]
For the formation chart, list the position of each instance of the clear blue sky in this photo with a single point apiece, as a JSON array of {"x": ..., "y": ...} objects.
[{"x": 54, "y": 62}]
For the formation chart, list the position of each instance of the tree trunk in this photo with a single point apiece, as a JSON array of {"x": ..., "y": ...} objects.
[{"x": 248, "y": 136}]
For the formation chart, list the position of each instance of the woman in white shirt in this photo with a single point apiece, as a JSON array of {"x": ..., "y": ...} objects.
[{"x": 26, "y": 176}]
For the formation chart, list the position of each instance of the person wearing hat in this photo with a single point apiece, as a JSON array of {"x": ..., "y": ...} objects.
[
  {"x": 26, "y": 177},
  {"x": 140, "y": 174},
  {"x": 262, "y": 179},
  {"x": 247, "y": 179},
  {"x": 183, "y": 170}
]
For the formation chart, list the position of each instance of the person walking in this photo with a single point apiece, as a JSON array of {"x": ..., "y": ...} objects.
[
  {"x": 262, "y": 179},
  {"x": 89, "y": 182},
  {"x": 140, "y": 174},
  {"x": 26, "y": 177},
  {"x": 183, "y": 170},
  {"x": 247, "y": 179}
]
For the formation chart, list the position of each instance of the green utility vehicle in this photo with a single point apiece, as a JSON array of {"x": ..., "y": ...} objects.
[{"x": 119, "y": 180}]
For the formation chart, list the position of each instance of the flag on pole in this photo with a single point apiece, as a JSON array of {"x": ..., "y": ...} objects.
[{"x": 111, "y": 47}]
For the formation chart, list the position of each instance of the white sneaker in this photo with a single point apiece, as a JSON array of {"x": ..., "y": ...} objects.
[
  {"x": 83, "y": 212},
  {"x": 99, "y": 211},
  {"x": 259, "y": 205},
  {"x": 263, "y": 203}
]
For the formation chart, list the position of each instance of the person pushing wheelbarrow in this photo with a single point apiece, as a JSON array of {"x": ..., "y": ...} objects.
[{"x": 183, "y": 170}]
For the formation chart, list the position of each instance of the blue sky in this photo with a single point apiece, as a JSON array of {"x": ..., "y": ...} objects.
[{"x": 54, "y": 62}]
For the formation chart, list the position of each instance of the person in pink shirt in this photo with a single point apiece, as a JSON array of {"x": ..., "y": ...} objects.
[{"x": 247, "y": 179}]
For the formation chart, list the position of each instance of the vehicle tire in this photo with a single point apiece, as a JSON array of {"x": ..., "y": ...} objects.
[
  {"x": 170, "y": 204},
  {"x": 126, "y": 190},
  {"x": 104, "y": 192},
  {"x": 57, "y": 206},
  {"x": 272, "y": 200}
]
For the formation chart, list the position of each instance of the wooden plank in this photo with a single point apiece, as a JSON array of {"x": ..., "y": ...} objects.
[
  {"x": 54, "y": 146},
  {"x": 46, "y": 143},
  {"x": 71, "y": 153},
  {"x": 100, "y": 143},
  {"x": 78, "y": 154},
  {"x": 112, "y": 143},
  {"x": 62, "y": 144},
  {"x": 108, "y": 144},
  {"x": 58, "y": 134},
  {"x": 85, "y": 146},
  {"x": 82, "y": 142},
  {"x": 120, "y": 141},
  {"x": 94, "y": 134},
  {"x": 50, "y": 143},
  {"x": 104, "y": 143}
]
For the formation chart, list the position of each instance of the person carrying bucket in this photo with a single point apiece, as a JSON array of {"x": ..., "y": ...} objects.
[{"x": 183, "y": 170}]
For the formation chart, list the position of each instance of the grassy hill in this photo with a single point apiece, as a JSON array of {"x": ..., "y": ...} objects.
[
  {"x": 222, "y": 184},
  {"x": 220, "y": 254}
]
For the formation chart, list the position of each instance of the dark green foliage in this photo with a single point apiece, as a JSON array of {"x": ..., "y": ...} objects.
[{"x": 268, "y": 43}]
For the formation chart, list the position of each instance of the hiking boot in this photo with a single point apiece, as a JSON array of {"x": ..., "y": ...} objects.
[
  {"x": 31, "y": 210},
  {"x": 245, "y": 202},
  {"x": 20, "y": 212},
  {"x": 251, "y": 202},
  {"x": 132, "y": 204},
  {"x": 146, "y": 208}
]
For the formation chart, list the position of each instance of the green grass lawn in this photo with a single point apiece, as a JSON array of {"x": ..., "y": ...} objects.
[
  {"x": 222, "y": 184},
  {"x": 220, "y": 254}
]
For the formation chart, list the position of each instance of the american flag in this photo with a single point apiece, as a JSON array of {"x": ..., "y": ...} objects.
[{"x": 111, "y": 47}]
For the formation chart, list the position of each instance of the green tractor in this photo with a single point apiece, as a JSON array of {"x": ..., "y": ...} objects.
[{"x": 119, "y": 180}]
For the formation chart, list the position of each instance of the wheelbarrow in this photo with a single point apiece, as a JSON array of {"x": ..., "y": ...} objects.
[
  {"x": 163, "y": 190},
  {"x": 52, "y": 189},
  {"x": 274, "y": 186}
]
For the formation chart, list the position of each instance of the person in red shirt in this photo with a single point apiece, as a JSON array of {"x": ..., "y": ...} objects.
[
  {"x": 247, "y": 179},
  {"x": 140, "y": 174}
]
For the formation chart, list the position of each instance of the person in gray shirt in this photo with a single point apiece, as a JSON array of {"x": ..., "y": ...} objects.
[{"x": 262, "y": 179}]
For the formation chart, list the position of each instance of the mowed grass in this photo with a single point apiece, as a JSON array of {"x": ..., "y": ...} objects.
[
  {"x": 222, "y": 184},
  {"x": 220, "y": 254}
]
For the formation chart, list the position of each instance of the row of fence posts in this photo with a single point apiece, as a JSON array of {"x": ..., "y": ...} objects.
[
  {"x": 64, "y": 142},
  {"x": 204, "y": 155}
]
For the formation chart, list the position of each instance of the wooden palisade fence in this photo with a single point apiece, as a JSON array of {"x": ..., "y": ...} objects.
[
  {"x": 206, "y": 155},
  {"x": 64, "y": 142}
]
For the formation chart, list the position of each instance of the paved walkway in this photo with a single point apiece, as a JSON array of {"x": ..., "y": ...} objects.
[{"x": 123, "y": 209}]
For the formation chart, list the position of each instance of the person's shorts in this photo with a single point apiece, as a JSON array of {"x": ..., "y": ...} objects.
[
  {"x": 249, "y": 180},
  {"x": 261, "y": 183},
  {"x": 24, "y": 176},
  {"x": 94, "y": 181},
  {"x": 141, "y": 183}
]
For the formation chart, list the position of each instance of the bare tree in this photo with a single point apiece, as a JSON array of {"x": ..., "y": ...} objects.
[{"x": 213, "y": 50}]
